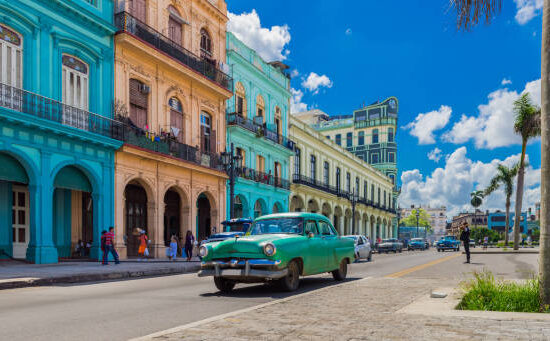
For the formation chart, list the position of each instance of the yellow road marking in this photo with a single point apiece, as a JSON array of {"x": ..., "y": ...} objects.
[{"x": 422, "y": 266}]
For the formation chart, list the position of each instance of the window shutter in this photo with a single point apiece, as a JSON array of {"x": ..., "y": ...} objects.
[
  {"x": 203, "y": 139},
  {"x": 213, "y": 141}
]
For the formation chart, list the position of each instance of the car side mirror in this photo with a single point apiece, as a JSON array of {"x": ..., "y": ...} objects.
[{"x": 310, "y": 235}]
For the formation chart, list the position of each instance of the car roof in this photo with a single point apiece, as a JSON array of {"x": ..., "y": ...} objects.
[
  {"x": 306, "y": 215},
  {"x": 237, "y": 220}
]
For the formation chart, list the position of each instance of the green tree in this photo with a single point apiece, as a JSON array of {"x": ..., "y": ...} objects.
[
  {"x": 423, "y": 218},
  {"x": 504, "y": 177},
  {"x": 469, "y": 13},
  {"x": 527, "y": 125},
  {"x": 477, "y": 200}
]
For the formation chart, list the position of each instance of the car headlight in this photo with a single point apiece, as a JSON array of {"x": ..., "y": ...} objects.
[
  {"x": 269, "y": 249},
  {"x": 203, "y": 251}
]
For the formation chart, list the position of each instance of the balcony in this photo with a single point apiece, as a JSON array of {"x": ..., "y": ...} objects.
[
  {"x": 234, "y": 119},
  {"x": 128, "y": 24},
  {"x": 120, "y": 129},
  {"x": 264, "y": 178}
]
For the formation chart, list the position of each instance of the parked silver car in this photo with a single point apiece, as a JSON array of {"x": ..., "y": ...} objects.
[
  {"x": 362, "y": 247},
  {"x": 389, "y": 245}
]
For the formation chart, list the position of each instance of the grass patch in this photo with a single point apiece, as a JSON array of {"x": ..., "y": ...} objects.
[{"x": 486, "y": 293}]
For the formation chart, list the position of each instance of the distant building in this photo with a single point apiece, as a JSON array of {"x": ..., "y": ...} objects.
[
  {"x": 497, "y": 221},
  {"x": 479, "y": 219},
  {"x": 438, "y": 217},
  {"x": 537, "y": 211}
]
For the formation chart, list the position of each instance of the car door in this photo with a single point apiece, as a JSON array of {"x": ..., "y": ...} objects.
[
  {"x": 315, "y": 256},
  {"x": 361, "y": 247},
  {"x": 331, "y": 244}
]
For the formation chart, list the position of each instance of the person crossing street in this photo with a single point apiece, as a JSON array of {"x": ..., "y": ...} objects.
[{"x": 465, "y": 238}]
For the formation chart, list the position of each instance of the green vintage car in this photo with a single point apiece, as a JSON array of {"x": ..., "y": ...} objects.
[{"x": 278, "y": 248}]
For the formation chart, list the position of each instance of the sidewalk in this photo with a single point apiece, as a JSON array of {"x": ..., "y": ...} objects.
[
  {"x": 500, "y": 250},
  {"x": 15, "y": 274},
  {"x": 360, "y": 310}
]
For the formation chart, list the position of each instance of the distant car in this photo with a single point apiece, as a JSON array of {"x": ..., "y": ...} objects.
[
  {"x": 417, "y": 244},
  {"x": 448, "y": 243},
  {"x": 362, "y": 247},
  {"x": 472, "y": 243},
  {"x": 231, "y": 229},
  {"x": 389, "y": 245}
]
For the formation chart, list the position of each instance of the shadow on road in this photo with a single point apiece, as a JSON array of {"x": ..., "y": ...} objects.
[{"x": 271, "y": 290}]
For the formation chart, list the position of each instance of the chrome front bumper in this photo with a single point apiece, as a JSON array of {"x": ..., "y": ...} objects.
[{"x": 251, "y": 268}]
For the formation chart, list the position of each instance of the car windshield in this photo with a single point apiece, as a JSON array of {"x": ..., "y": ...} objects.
[
  {"x": 237, "y": 227},
  {"x": 279, "y": 225}
]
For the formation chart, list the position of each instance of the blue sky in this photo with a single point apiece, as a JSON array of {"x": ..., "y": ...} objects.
[{"x": 346, "y": 53}]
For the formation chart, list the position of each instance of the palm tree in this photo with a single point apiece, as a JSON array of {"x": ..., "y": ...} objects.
[
  {"x": 527, "y": 124},
  {"x": 477, "y": 200},
  {"x": 469, "y": 12},
  {"x": 504, "y": 177}
]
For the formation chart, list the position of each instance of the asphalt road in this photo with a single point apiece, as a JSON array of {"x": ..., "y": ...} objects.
[{"x": 125, "y": 309}]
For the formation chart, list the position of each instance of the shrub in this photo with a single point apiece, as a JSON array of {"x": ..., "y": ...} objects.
[{"x": 486, "y": 293}]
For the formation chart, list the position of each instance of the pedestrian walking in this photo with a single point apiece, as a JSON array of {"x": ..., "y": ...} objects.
[
  {"x": 173, "y": 248},
  {"x": 102, "y": 243},
  {"x": 110, "y": 246},
  {"x": 143, "y": 251},
  {"x": 465, "y": 237},
  {"x": 189, "y": 242},
  {"x": 485, "y": 242}
]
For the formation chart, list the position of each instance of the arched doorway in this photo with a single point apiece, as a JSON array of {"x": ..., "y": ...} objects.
[
  {"x": 136, "y": 216},
  {"x": 204, "y": 219},
  {"x": 337, "y": 219},
  {"x": 172, "y": 216},
  {"x": 15, "y": 208},
  {"x": 241, "y": 207},
  {"x": 312, "y": 206},
  {"x": 260, "y": 208},
  {"x": 277, "y": 208},
  {"x": 347, "y": 221},
  {"x": 73, "y": 222},
  {"x": 296, "y": 204}
]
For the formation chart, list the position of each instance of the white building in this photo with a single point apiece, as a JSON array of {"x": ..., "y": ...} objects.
[{"x": 438, "y": 217}]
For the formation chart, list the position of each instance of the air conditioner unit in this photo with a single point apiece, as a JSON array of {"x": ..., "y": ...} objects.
[{"x": 145, "y": 88}]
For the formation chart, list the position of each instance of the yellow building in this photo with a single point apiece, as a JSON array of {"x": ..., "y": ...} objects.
[
  {"x": 332, "y": 181},
  {"x": 170, "y": 94}
]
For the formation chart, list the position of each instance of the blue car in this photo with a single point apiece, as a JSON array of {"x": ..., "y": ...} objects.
[
  {"x": 417, "y": 244},
  {"x": 448, "y": 243},
  {"x": 231, "y": 228}
]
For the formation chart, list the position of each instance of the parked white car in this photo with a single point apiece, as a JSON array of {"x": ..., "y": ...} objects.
[{"x": 363, "y": 249}]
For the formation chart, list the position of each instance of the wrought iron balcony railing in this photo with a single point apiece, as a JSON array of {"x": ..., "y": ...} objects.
[
  {"x": 264, "y": 178},
  {"x": 260, "y": 130},
  {"x": 129, "y": 24},
  {"x": 120, "y": 129}
]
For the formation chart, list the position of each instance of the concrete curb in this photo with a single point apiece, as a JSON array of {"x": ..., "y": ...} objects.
[
  {"x": 502, "y": 252},
  {"x": 83, "y": 278}
]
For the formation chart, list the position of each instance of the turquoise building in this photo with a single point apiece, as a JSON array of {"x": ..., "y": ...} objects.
[
  {"x": 56, "y": 150},
  {"x": 257, "y": 127}
]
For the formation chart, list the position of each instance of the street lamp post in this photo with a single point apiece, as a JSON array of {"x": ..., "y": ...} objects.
[
  {"x": 353, "y": 203},
  {"x": 398, "y": 223},
  {"x": 231, "y": 162},
  {"x": 417, "y": 216}
]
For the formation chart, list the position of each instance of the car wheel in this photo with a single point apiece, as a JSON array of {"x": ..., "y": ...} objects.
[
  {"x": 438, "y": 250},
  {"x": 292, "y": 279},
  {"x": 224, "y": 285},
  {"x": 369, "y": 258},
  {"x": 341, "y": 273}
]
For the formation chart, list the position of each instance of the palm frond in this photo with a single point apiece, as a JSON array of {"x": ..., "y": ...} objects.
[
  {"x": 527, "y": 121},
  {"x": 470, "y": 12},
  {"x": 493, "y": 186}
]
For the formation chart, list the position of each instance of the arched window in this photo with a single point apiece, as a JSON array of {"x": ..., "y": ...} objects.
[
  {"x": 75, "y": 82},
  {"x": 175, "y": 27},
  {"x": 260, "y": 110},
  {"x": 240, "y": 100},
  {"x": 208, "y": 136},
  {"x": 206, "y": 44},
  {"x": 278, "y": 121},
  {"x": 139, "y": 103},
  {"x": 11, "y": 58},
  {"x": 138, "y": 9},
  {"x": 176, "y": 118},
  {"x": 375, "y": 136}
]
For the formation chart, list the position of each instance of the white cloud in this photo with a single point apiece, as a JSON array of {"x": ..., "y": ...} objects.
[
  {"x": 268, "y": 42},
  {"x": 493, "y": 127},
  {"x": 296, "y": 104},
  {"x": 435, "y": 154},
  {"x": 349, "y": 32},
  {"x": 527, "y": 10},
  {"x": 505, "y": 81},
  {"x": 451, "y": 184},
  {"x": 294, "y": 73},
  {"x": 314, "y": 82},
  {"x": 425, "y": 124}
]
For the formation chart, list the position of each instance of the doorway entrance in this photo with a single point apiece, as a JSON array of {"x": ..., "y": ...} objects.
[
  {"x": 136, "y": 217},
  {"x": 172, "y": 204},
  {"x": 20, "y": 221},
  {"x": 204, "y": 219}
]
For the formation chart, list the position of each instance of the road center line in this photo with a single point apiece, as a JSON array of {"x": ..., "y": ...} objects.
[{"x": 421, "y": 266}]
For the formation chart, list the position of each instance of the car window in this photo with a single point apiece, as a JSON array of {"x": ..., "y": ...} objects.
[
  {"x": 311, "y": 227},
  {"x": 360, "y": 241},
  {"x": 325, "y": 229}
]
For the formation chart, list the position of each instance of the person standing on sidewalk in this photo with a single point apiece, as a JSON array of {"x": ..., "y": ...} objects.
[
  {"x": 189, "y": 242},
  {"x": 109, "y": 239},
  {"x": 142, "y": 250},
  {"x": 465, "y": 237}
]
